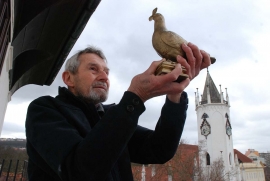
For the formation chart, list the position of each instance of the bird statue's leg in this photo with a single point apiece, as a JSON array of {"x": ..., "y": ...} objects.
[{"x": 167, "y": 66}]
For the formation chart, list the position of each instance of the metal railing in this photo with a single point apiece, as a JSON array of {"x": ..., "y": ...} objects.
[{"x": 11, "y": 173}]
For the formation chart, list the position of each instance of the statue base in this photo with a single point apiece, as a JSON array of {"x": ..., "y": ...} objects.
[{"x": 167, "y": 66}]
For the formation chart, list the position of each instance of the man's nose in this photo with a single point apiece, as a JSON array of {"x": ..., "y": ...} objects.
[{"x": 103, "y": 75}]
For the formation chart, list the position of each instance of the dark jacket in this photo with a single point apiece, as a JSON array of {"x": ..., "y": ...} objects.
[{"x": 67, "y": 139}]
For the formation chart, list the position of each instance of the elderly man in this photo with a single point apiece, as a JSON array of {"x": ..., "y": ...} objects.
[{"x": 74, "y": 137}]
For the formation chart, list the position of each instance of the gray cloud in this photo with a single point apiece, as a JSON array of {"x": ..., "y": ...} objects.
[
  {"x": 225, "y": 29},
  {"x": 10, "y": 127}
]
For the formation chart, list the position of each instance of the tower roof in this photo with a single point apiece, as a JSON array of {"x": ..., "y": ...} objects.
[{"x": 213, "y": 91}]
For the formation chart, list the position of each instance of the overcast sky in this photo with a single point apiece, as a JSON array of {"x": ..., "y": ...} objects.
[{"x": 237, "y": 33}]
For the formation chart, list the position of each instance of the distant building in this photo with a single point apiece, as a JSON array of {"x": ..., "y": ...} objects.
[
  {"x": 266, "y": 157},
  {"x": 254, "y": 155},
  {"x": 252, "y": 151},
  {"x": 252, "y": 171}
]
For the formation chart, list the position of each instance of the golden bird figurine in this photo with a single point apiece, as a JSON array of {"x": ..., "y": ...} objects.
[{"x": 168, "y": 45}]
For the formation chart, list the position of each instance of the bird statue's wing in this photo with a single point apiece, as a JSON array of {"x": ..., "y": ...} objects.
[{"x": 172, "y": 39}]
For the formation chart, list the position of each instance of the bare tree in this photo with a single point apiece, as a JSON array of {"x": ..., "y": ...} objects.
[
  {"x": 187, "y": 166},
  {"x": 216, "y": 172}
]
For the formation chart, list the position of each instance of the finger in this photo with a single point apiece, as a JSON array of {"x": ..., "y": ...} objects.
[
  {"x": 181, "y": 60},
  {"x": 153, "y": 67},
  {"x": 171, "y": 76},
  {"x": 185, "y": 64},
  {"x": 190, "y": 58},
  {"x": 177, "y": 70},
  {"x": 206, "y": 60},
  {"x": 198, "y": 56}
]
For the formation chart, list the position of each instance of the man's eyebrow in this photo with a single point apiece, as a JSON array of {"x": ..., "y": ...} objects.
[{"x": 95, "y": 64}]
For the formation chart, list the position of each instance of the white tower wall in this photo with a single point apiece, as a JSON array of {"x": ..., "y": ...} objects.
[
  {"x": 213, "y": 113},
  {"x": 217, "y": 143}
]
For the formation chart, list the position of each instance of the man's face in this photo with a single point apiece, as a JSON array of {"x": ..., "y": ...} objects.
[{"x": 91, "y": 81}]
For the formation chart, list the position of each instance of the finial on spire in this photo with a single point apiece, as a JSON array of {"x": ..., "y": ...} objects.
[{"x": 227, "y": 97}]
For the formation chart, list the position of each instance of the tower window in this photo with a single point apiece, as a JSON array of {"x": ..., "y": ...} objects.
[
  {"x": 230, "y": 158},
  {"x": 207, "y": 159}
]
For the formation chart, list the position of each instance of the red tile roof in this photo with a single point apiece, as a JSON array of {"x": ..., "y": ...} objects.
[{"x": 241, "y": 157}]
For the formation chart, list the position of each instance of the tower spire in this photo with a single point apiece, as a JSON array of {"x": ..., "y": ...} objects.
[{"x": 210, "y": 92}]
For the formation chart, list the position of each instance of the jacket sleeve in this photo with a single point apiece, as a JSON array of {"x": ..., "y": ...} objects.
[
  {"x": 159, "y": 146},
  {"x": 73, "y": 157}
]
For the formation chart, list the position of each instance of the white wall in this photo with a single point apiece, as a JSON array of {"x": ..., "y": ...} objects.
[
  {"x": 4, "y": 76},
  {"x": 218, "y": 140},
  {"x": 4, "y": 85}
]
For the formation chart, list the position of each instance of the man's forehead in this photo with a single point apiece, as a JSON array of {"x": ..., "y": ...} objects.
[{"x": 92, "y": 59}]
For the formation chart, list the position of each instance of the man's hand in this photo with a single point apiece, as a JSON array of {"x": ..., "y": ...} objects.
[
  {"x": 196, "y": 61},
  {"x": 147, "y": 85}
]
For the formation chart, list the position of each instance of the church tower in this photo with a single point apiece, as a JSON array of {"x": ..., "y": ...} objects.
[{"x": 214, "y": 125}]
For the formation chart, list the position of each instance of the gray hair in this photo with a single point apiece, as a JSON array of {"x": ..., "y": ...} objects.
[{"x": 73, "y": 63}]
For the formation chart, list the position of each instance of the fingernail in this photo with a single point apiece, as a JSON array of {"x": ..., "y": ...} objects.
[{"x": 184, "y": 44}]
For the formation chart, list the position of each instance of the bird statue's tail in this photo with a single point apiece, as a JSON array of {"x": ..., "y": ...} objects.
[{"x": 153, "y": 13}]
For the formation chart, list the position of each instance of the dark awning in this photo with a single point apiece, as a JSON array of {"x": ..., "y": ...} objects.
[{"x": 44, "y": 33}]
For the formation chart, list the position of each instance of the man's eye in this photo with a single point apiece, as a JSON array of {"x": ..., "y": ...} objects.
[{"x": 93, "y": 68}]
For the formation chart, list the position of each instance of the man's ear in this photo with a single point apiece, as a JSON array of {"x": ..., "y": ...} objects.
[{"x": 68, "y": 78}]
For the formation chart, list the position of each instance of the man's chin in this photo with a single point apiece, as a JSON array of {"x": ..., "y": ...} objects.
[{"x": 100, "y": 96}]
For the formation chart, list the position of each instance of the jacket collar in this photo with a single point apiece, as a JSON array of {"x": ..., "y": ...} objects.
[{"x": 68, "y": 96}]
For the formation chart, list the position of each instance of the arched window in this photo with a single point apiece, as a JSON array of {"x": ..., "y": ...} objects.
[
  {"x": 230, "y": 158},
  {"x": 207, "y": 159}
]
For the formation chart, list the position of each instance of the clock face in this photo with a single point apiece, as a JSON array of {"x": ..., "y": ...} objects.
[
  {"x": 205, "y": 130},
  {"x": 229, "y": 130}
]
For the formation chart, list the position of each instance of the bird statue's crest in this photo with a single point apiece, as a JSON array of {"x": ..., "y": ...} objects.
[{"x": 153, "y": 13}]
